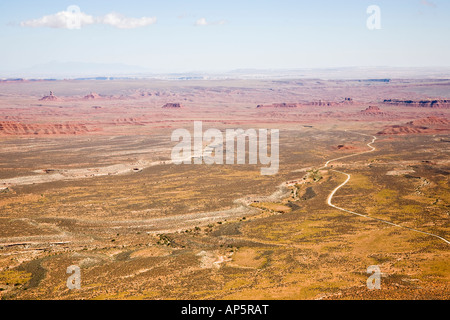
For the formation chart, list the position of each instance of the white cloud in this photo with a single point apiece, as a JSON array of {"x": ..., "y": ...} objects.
[
  {"x": 73, "y": 18},
  {"x": 203, "y": 22},
  {"x": 61, "y": 20}
]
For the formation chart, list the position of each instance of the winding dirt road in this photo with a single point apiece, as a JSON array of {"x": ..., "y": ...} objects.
[{"x": 330, "y": 196}]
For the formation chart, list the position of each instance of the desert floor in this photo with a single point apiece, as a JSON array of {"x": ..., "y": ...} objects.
[{"x": 87, "y": 180}]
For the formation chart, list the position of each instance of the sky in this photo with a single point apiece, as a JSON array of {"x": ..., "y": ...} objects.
[{"x": 211, "y": 35}]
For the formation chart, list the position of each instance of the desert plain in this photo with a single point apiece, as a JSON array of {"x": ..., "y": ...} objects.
[{"x": 86, "y": 179}]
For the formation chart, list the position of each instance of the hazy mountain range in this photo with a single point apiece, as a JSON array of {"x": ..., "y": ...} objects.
[{"x": 73, "y": 70}]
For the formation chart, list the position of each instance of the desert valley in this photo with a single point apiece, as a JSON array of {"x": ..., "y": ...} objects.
[{"x": 86, "y": 179}]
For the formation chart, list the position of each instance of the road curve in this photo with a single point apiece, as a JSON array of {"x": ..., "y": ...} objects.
[{"x": 330, "y": 196}]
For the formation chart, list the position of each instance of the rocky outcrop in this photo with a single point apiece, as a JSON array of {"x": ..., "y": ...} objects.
[
  {"x": 92, "y": 96},
  {"x": 373, "y": 111},
  {"x": 426, "y": 125},
  {"x": 430, "y": 121},
  {"x": 128, "y": 121},
  {"x": 403, "y": 130},
  {"x": 342, "y": 147},
  {"x": 50, "y": 97}
]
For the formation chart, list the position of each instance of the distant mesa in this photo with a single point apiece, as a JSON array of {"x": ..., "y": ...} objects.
[
  {"x": 437, "y": 104},
  {"x": 319, "y": 103},
  {"x": 172, "y": 106},
  {"x": 50, "y": 97},
  {"x": 279, "y": 105},
  {"x": 13, "y": 80}
]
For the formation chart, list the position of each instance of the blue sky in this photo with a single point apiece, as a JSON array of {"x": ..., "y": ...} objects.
[{"x": 263, "y": 34}]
